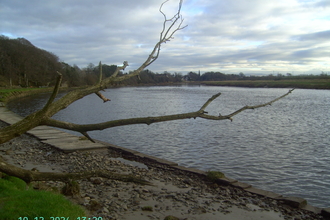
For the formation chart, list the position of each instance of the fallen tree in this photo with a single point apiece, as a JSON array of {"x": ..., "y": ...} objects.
[{"x": 43, "y": 116}]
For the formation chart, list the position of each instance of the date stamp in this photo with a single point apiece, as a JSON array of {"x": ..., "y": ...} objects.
[{"x": 60, "y": 218}]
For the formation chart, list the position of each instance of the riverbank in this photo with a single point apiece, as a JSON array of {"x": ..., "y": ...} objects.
[
  {"x": 7, "y": 95},
  {"x": 283, "y": 83},
  {"x": 184, "y": 193},
  {"x": 174, "y": 168}
]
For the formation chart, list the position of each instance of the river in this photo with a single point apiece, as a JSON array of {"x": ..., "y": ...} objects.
[{"x": 282, "y": 148}]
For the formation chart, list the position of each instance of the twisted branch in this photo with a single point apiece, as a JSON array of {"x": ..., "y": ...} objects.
[
  {"x": 52, "y": 107},
  {"x": 229, "y": 116},
  {"x": 201, "y": 113}
]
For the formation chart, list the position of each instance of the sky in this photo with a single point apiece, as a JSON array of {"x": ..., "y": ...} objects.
[{"x": 230, "y": 36}]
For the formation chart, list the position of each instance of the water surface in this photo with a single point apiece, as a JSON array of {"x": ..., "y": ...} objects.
[{"x": 282, "y": 148}]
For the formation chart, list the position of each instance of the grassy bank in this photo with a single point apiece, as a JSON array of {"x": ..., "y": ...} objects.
[
  {"x": 18, "y": 200},
  {"x": 285, "y": 83},
  {"x": 7, "y": 94}
]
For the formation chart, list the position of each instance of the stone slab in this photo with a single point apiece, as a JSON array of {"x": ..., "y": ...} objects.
[
  {"x": 326, "y": 212},
  {"x": 44, "y": 127},
  {"x": 226, "y": 181},
  {"x": 156, "y": 159},
  {"x": 10, "y": 119},
  {"x": 241, "y": 185},
  {"x": 8, "y": 116},
  {"x": 63, "y": 140},
  {"x": 191, "y": 170},
  {"x": 52, "y": 135},
  {"x": 74, "y": 145},
  {"x": 120, "y": 148},
  {"x": 312, "y": 209},
  {"x": 45, "y": 131},
  {"x": 295, "y": 202},
  {"x": 262, "y": 192}
]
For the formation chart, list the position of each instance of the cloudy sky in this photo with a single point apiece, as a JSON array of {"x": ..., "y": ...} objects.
[{"x": 231, "y": 36}]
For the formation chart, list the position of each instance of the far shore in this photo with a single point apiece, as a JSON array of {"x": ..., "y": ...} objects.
[
  {"x": 285, "y": 83},
  {"x": 8, "y": 94}
]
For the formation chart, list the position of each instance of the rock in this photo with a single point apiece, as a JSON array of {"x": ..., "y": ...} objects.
[
  {"x": 326, "y": 212},
  {"x": 295, "y": 202},
  {"x": 94, "y": 205},
  {"x": 96, "y": 180},
  {"x": 71, "y": 188},
  {"x": 124, "y": 206},
  {"x": 105, "y": 210},
  {"x": 145, "y": 190}
]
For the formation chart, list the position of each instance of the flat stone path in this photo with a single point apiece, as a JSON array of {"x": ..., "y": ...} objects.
[{"x": 54, "y": 137}]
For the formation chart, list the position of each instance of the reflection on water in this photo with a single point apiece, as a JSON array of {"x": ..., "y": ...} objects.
[{"x": 282, "y": 148}]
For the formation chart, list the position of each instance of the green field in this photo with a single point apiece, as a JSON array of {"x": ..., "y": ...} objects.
[
  {"x": 6, "y": 94},
  {"x": 17, "y": 200},
  {"x": 285, "y": 83}
]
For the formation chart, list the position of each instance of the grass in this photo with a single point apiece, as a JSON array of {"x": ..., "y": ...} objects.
[
  {"x": 214, "y": 175},
  {"x": 147, "y": 208},
  {"x": 171, "y": 217},
  {"x": 18, "y": 200},
  {"x": 6, "y": 93}
]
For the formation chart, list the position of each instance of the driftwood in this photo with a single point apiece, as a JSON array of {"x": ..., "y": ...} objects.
[{"x": 30, "y": 176}]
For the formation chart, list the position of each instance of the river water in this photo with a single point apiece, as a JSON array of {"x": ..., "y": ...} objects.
[{"x": 282, "y": 148}]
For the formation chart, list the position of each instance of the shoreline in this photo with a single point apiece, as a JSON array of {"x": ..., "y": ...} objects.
[
  {"x": 319, "y": 84},
  {"x": 226, "y": 199},
  {"x": 176, "y": 192}
]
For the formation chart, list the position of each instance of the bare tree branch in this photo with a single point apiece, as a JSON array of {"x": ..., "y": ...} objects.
[
  {"x": 55, "y": 90},
  {"x": 149, "y": 120},
  {"x": 100, "y": 69},
  {"x": 167, "y": 32},
  {"x": 52, "y": 107},
  {"x": 220, "y": 117},
  {"x": 99, "y": 94},
  {"x": 43, "y": 116}
]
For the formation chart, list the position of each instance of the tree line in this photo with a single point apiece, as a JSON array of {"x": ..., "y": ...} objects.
[
  {"x": 22, "y": 64},
  {"x": 218, "y": 76}
]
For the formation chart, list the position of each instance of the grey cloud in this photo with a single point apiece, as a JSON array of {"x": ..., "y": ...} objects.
[{"x": 321, "y": 35}]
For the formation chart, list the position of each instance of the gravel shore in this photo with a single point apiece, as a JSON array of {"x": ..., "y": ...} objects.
[{"x": 174, "y": 193}]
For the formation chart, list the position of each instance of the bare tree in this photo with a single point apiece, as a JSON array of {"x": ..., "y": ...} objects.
[{"x": 43, "y": 116}]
